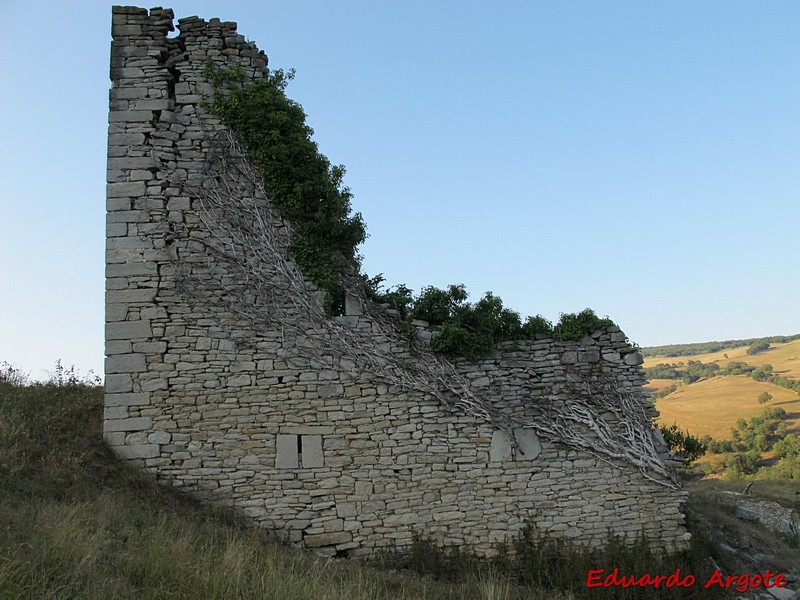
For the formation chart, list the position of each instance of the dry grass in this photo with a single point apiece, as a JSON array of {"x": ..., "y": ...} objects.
[
  {"x": 76, "y": 524},
  {"x": 712, "y": 406},
  {"x": 654, "y": 386}
]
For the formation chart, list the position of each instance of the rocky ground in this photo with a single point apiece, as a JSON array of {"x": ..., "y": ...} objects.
[{"x": 754, "y": 529}]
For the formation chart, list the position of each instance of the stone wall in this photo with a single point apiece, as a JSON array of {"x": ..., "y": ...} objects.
[{"x": 225, "y": 378}]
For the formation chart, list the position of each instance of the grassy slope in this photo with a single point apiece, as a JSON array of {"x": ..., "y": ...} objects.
[
  {"x": 76, "y": 524},
  {"x": 712, "y": 406}
]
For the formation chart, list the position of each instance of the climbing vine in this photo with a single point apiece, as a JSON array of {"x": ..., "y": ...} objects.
[{"x": 302, "y": 184}]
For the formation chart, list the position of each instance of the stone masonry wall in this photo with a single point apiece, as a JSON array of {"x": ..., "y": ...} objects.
[{"x": 258, "y": 408}]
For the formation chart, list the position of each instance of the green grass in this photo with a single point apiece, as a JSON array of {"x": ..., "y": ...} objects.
[{"x": 77, "y": 524}]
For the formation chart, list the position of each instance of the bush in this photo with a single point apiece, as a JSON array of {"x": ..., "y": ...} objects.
[
  {"x": 302, "y": 184},
  {"x": 682, "y": 443},
  {"x": 759, "y": 346},
  {"x": 574, "y": 326}
]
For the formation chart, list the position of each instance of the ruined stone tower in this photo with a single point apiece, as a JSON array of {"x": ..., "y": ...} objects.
[{"x": 225, "y": 377}]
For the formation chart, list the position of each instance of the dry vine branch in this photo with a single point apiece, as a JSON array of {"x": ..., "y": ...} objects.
[{"x": 242, "y": 229}]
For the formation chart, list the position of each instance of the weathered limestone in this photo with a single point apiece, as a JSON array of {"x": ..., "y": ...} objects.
[{"x": 312, "y": 445}]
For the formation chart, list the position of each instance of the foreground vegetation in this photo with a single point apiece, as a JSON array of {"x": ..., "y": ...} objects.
[{"x": 75, "y": 523}]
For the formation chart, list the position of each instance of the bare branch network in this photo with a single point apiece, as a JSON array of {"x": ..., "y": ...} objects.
[{"x": 263, "y": 286}]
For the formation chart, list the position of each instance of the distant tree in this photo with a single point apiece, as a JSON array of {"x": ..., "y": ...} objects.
[
  {"x": 757, "y": 347},
  {"x": 743, "y": 463},
  {"x": 764, "y": 397}
]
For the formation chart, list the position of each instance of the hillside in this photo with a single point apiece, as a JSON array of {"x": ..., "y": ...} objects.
[
  {"x": 76, "y": 523},
  {"x": 711, "y": 406},
  {"x": 743, "y": 399},
  {"x": 784, "y": 357}
]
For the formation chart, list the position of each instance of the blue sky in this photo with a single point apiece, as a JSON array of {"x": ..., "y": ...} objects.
[{"x": 638, "y": 158}]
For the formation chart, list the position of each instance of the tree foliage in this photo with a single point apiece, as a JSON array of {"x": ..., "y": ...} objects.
[
  {"x": 309, "y": 193},
  {"x": 682, "y": 443},
  {"x": 302, "y": 184},
  {"x": 758, "y": 346},
  {"x": 472, "y": 330}
]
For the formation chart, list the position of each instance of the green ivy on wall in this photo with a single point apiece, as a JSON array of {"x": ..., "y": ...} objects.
[
  {"x": 303, "y": 186},
  {"x": 308, "y": 192}
]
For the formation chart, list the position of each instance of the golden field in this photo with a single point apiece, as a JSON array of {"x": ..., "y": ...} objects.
[{"x": 712, "y": 406}]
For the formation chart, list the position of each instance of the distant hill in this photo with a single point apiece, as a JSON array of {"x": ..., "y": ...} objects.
[
  {"x": 710, "y": 347},
  {"x": 712, "y": 405}
]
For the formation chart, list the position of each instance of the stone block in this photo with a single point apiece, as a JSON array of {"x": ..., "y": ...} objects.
[
  {"x": 127, "y": 399},
  {"x": 141, "y": 175},
  {"x": 137, "y": 451},
  {"x": 120, "y": 383},
  {"x": 308, "y": 429},
  {"x": 128, "y": 163},
  {"x": 312, "y": 456},
  {"x": 113, "y": 204},
  {"x": 127, "y": 330},
  {"x": 133, "y": 424},
  {"x": 352, "y": 306},
  {"x": 153, "y": 383},
  {"x": 633, "y": 359},
  {"x": 114, "y": 438},
  {"x": 116, "y": 229},
  {"x": 286, "y": 454},
  {"x": 589, "y": 356},
  {"x": 125, "y": 190},
  {"x": 406, "y": 518},
  {"x": 500, "y": 450},
  {"x": 118, "y": 347},
  {"x": 238, "y": 380},
  {"x": 346, "y": 509},
  {"x": 128, "y": 216},
  {"x": 327, "y": 539},
  {"x": 130, "y": 269},
  {"x": 154, "y": 104},
  {"x": 131, "y": 296},
  {"x": 528, "y": 445},
  {"x": 130, "y": 116},
  {"x": 126, "y": 363},
  {"x": 115, "y": 412},
  {"x": 159, "y": 437}
]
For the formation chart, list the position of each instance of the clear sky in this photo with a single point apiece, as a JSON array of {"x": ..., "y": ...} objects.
[{"x": 638, "y": 158}]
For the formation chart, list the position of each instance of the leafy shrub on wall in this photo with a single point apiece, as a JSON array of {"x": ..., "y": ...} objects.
[{"x": 302, "y": 184}]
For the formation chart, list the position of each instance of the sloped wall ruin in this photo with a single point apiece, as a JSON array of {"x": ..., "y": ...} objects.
[{"x": 225, "y": 378}]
